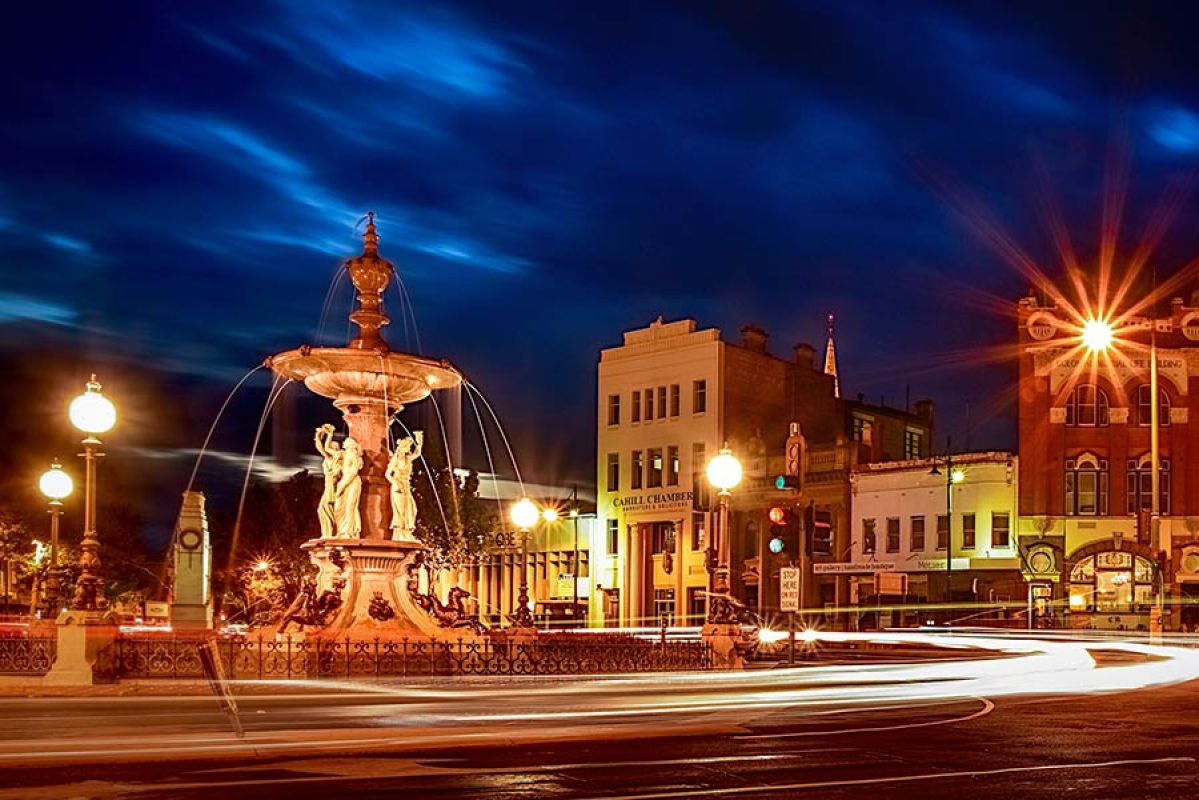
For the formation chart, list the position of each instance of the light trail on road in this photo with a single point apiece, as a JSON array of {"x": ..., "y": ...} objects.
[{"x": 346, "y": 717}]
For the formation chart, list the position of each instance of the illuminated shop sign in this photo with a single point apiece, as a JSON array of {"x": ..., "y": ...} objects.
[{"x": 654, "y": 501}]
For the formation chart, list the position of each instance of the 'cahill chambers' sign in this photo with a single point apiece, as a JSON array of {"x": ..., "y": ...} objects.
[{"x": 654, "y": 501}]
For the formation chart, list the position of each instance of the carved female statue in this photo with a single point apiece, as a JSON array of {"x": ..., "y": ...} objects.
[
  {"x": 331, "y": 467},
  {"x": 399, "y": 475},
  {"x": 349, "y": 489}
]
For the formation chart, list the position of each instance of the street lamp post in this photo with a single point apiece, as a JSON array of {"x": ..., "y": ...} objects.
[
  {"x": 724, "y": 473},
  {"x": 56, "y": 485},
  {"x": 92, "y": 413},
  {"x": 574, "y": 572},
  {"x": 953, "y": 475},
  {"x": 524, "y": 516}
]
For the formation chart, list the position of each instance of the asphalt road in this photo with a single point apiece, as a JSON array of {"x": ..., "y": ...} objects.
[{"x": 609, "y": 739}]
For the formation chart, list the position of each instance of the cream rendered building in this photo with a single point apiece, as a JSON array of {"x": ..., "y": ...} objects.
[
  {"x": 900, "y": 526},
  {"x": 659, "y": 421}
]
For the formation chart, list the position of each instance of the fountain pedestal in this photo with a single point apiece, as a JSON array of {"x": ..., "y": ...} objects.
[{"x": 373, "y": 579}]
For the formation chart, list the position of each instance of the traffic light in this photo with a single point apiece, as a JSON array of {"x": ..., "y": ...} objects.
[
  {"x": 820, "y": 527},
  {"x": 793, "y": 464},
  {"x": 787, "y": 482},
  {"x": 784, "y": 533}
]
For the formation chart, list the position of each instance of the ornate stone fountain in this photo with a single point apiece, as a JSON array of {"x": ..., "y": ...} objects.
[{"x": 367, "y": 557}]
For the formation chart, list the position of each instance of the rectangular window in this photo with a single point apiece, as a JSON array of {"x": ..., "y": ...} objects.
[
  {"x": 1140, "y": 487},
  {"x": 662, "y": 540},
  {"x": 638, "y": 466},
  {"x": 1001, "y": 529},
  {"x": 699, "y": 397},
  {"x": 613, "y": 409},
  {"x": 674, "y": 399},
  {"x": 867, "y": 536},
  {"x": 661, "y": 402},
  {"x": 697, "y": 604},
  {"x": 664, "y": 607},
  {"x": 1087, "y": 488},
  {"x": 892, "y": 534},
  {"x": 649, "y": 405},
  {"x": 613, "y": 536},
  {"x": 613, "y": 472},
  {"x": 654, "y": 479},
  {"x": 863, "y": 430},
  {"x": 635, "y": 407},
  {"x": 913, "y": 444},
  {"x": 699, "y": 532},
  {"x": 672, "y": 465},
  {"x": 942, "y": 532},
  {"x": 917, "y": 533},
  {"x": 967, "y": 531},
  {"x": 700, "y": 496}
]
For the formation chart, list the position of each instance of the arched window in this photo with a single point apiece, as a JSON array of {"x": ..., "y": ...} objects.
[
  {"x": 1140, "y": 485},
  {"x": 1086, "y": 485},
  {"x": 1087, "y": 406},
  {"x": 1144, "y": 410}
]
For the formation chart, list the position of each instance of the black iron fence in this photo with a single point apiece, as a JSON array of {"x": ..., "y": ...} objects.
[
  {"x": 167, "y": 657},
  {"x": 26, "y": 655}
]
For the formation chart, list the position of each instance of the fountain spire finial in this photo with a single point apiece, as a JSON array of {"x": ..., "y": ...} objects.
[
  {"x": 370, "y": 237},
  {"x": 370, "y": 273}
]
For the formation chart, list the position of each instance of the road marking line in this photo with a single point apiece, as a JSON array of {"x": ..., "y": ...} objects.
[
  {"x": 987, "y": 708},
  {"x": 931, "y": 776}
]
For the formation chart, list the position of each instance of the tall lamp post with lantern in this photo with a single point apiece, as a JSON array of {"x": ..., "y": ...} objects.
[
  {"x": 524, "y": 515},
  {"x": 93, "y": 414},
  {"x": 724, "y": 473},
  {"x": 56, "y": 485},
  {"x": 86, "y": 631}
]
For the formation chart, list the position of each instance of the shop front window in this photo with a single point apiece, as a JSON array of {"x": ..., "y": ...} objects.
[{"x": 1111, "y": 582}]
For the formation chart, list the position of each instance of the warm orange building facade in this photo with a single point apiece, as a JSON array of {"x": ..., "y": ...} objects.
[{"x": 1085, "y": 474}]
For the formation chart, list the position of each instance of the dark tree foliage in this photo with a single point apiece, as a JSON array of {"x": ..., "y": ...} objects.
[
  {"x": 275, "y": 520},
  {"x": 452, "y": 519}
]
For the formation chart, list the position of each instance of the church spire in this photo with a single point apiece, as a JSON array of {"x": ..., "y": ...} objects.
[{"x": 830, "y": 359}]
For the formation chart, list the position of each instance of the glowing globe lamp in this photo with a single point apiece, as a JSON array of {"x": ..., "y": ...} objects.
[
  {"x": 92, "y": 412},
  {"x": 524, "y": 514},
  {"x": 550, "y": 514},
  {"x": 55, "y": 484},
  {"x": 724, "y": 471}
]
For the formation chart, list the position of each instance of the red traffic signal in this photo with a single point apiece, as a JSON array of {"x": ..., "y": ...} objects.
[{"x": 777, "y": 515}]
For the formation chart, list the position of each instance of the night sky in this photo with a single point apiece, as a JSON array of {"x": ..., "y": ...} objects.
[{"x": 179, "y": 181}]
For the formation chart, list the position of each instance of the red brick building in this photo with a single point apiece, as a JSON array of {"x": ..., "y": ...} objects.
[{"x": 1085, "y": 471}]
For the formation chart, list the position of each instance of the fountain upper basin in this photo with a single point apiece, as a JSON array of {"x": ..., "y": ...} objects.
[{"x": 346, "y": 374}]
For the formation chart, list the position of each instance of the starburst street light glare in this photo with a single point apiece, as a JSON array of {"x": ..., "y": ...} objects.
[
  {"x": 550, "y": 514},
  {"x": 957, "y": 475},
  {"x": 1097, "y": 334},
  {"x": 524, "y": 514}
]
